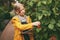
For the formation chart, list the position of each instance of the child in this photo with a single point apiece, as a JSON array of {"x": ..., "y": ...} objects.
[{"x": 22, "y": 24}]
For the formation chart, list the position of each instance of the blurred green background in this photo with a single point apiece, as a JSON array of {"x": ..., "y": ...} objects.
[{"x": 45, "y": 11}]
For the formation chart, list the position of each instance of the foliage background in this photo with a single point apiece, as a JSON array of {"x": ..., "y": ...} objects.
[{"x": 45, "y": 11}]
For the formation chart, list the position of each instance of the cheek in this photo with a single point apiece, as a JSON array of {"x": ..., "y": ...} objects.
[{"x": 23, "y": 12}]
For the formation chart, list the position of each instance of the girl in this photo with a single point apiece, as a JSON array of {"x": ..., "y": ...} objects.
[{"x": 22, "y": 24}]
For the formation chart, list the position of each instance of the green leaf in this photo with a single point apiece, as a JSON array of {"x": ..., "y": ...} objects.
[
  {"x": 38, "y": 30},
  {"x": 46, "y": 13},
  {"x": 39, "y": 4},
  {"x": 49, "y": 1},
  {"x": 55, "y": 9},
  {"x": 58, "y": 24},
  {"x": 44, "y": 2},
  {"x": 40, "y": 17},
  {"x": 52, "y": 21},
  {"x": 30, "y": 3},
  {"x": 51, "y": 26}
]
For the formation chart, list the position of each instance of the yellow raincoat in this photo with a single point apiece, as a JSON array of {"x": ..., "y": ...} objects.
[{"x": 18, "y": 28}]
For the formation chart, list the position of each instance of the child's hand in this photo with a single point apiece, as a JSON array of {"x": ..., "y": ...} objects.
[{"x": 36, "y": 23}]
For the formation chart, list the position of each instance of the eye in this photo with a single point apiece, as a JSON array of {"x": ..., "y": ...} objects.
[{"x": 21, "y": 10}]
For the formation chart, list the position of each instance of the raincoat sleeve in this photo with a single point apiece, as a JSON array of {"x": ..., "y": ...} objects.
[{"x": 16, "y": 23}]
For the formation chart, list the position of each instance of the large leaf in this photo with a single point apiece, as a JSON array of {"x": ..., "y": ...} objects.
[{"x": 51, "y": 26}]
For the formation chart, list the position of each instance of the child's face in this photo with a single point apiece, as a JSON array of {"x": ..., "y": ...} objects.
[{"x": 21, "y": 11}]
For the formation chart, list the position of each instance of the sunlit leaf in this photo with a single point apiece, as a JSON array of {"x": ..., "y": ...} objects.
[
  {"x": 39, "y": 4},
  {"x": 58, "y": 24},
  {"x": 39, "y": 17},
  {"x": 51, "y": 26},
  {"x": 44, "y": 2},
  {"x": 30, "y": 3}
]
